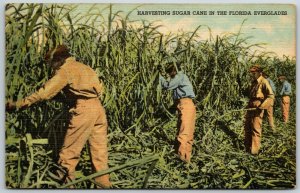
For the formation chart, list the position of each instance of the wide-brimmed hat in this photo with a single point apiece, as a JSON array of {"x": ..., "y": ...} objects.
[
  {"x": 255, "y": 68},
  {"x": 281, "y": 77},
  {"x": 57, "y": 53}
]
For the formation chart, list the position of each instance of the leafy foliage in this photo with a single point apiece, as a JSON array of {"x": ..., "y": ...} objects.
[{"x": 141, "y": 122}]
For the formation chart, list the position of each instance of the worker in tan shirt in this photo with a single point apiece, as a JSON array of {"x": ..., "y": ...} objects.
[
  {"x": 270, "y": 110},
  {"x": 87, "y": 122},
  {"x": 261, "y": 97}
]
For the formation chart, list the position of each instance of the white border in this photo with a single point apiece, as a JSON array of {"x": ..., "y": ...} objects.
[{"x": 2, "y": 84}]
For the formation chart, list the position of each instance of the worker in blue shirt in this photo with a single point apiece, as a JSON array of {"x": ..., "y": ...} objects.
[
  {"x": 271, "y": 84},
  {"x": 183, "y": 96},
  {"x": 285, "y": 94},
  {"x": 270, "y": 110}
]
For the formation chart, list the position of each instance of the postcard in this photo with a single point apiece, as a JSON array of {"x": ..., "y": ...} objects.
[{"x": 150, "y": 96}]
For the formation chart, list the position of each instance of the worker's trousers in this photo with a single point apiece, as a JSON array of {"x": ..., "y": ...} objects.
[
  {"x": 285, "y": 108},
  {"x": 253, "y": 130},
  {"x": 270, "y": 116},
  {"x": 186, "y": 127},
  {"x": 87, "y": 124}
]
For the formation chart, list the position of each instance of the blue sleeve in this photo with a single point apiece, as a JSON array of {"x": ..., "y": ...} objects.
[
  {"x": 273, "y": 86},
  {"x": 288, "y": 89},
  {"x": 172, "y": 84},
  {"x": 162, "y": 81},
  {"x": 282, "y": 90}
]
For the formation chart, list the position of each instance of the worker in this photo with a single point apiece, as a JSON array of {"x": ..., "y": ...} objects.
[
  {"x": 261, "y": 97},
  {"x": 183, "y": 96},
  {"x": 285, "y": 94},
  {"x": 270, "y": 110},
  {"x": 88, "y": 122}
]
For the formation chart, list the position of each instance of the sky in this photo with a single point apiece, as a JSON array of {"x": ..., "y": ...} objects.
[{"x": 276, "y": 32}]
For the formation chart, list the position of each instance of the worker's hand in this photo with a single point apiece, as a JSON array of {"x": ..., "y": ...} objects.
[
  {"x": 159, "y": 68},
  {"x": 256, "y": 104},
  {"x": 262, "y": 107},
  {"x": 10, "y": 105}
]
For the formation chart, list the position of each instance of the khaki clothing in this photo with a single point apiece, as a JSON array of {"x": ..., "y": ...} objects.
[
  {"x": 186, "y": 127},
  {"x": 74, "y": 78},
  {"x": 87, "y": 122},
  {"x": 261, "y": 92},
  {"x": 261, "y": 97},
  {"x": 270, "y": 116},
  {"x": 285, "y": 93},
  {"x": 253, "y": 130},
  {"x": 285, "y": 108}
]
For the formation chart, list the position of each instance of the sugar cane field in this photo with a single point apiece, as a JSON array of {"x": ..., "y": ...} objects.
[{"x": 141, "y": 117}]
